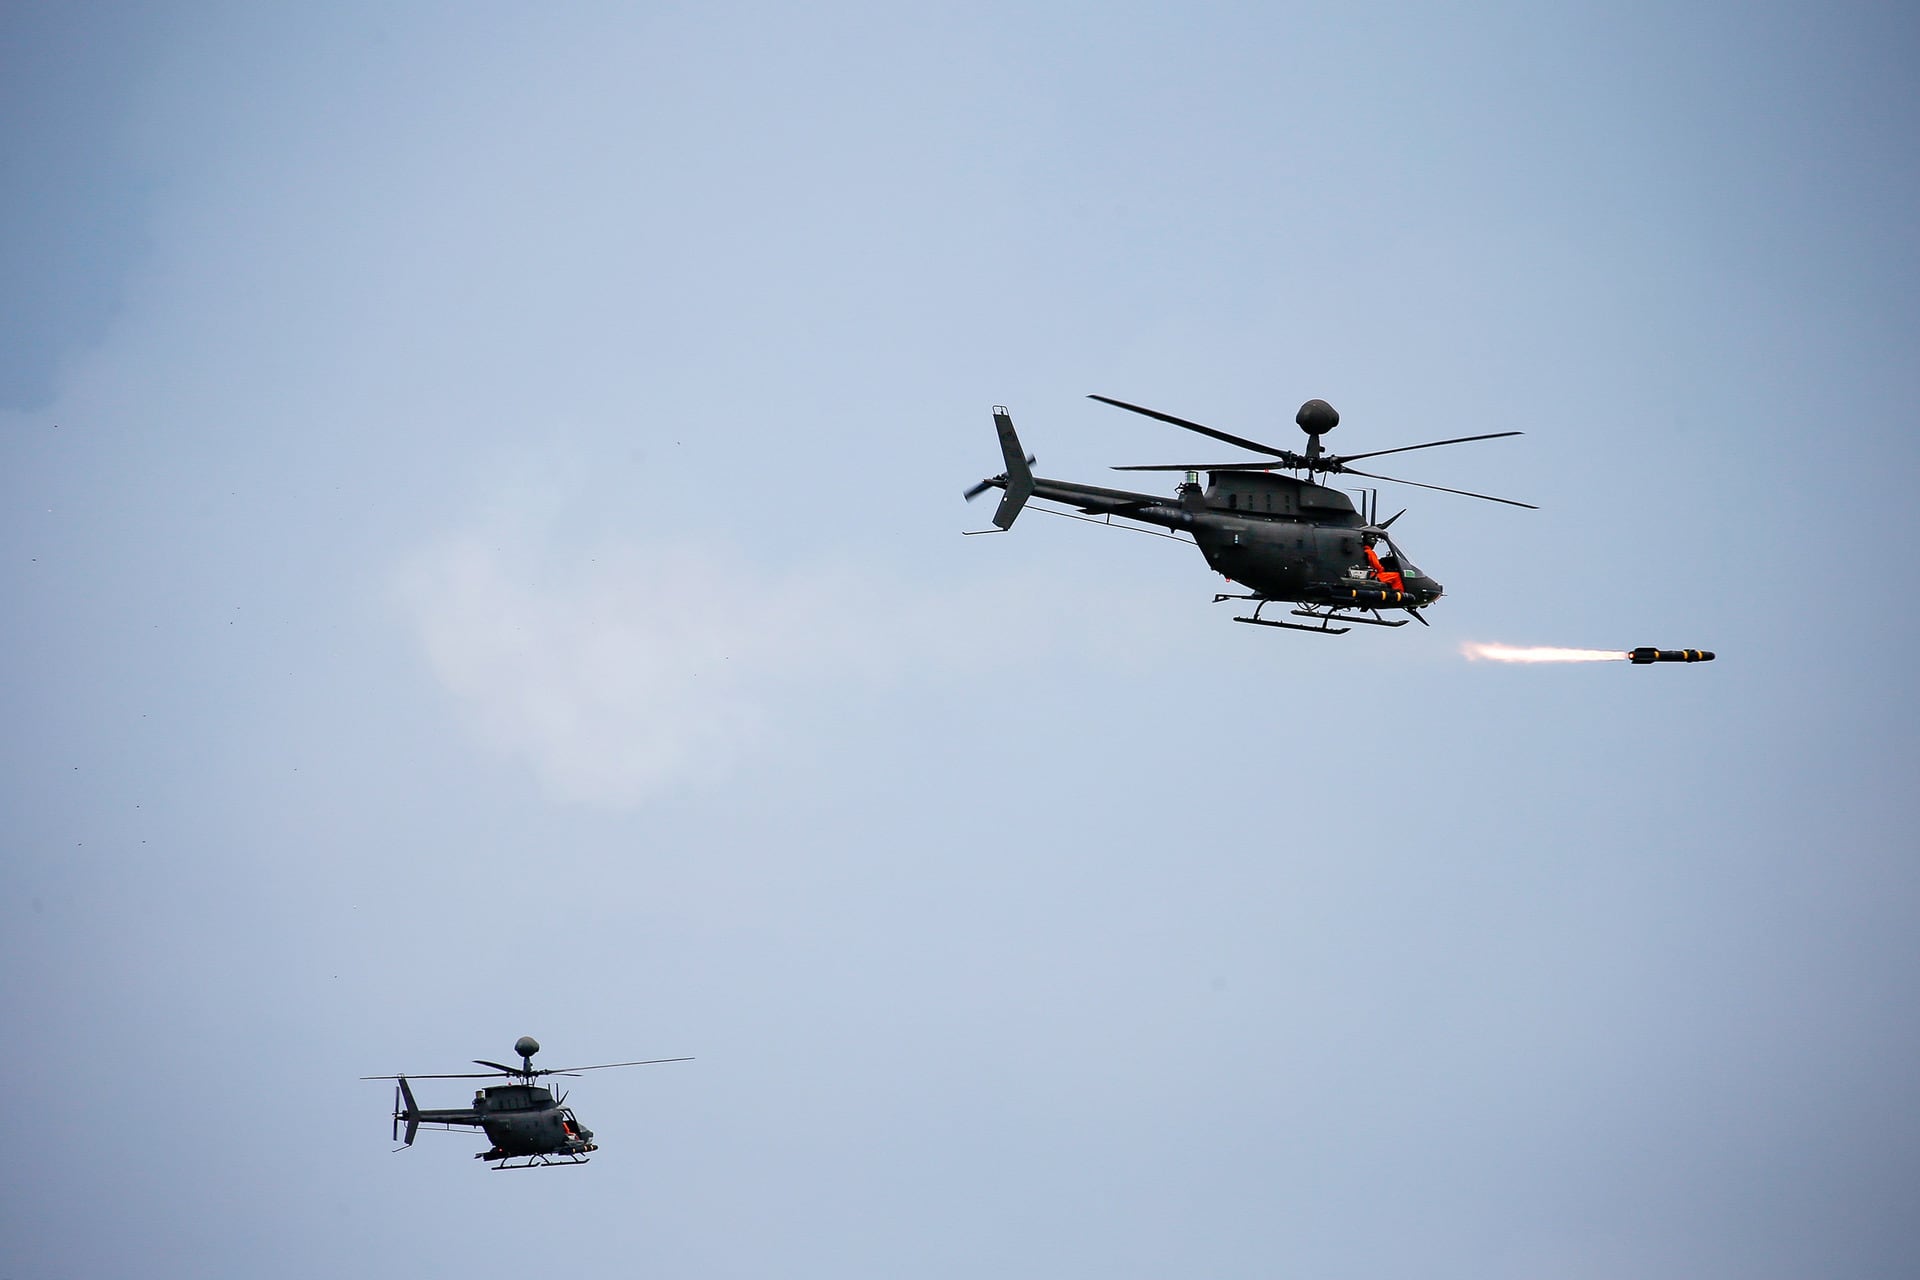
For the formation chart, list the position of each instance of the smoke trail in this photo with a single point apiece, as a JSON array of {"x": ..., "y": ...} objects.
[{"x": 1538, "y": 653}]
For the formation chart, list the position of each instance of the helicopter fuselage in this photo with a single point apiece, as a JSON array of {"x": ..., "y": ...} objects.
[
  {"x": 520, "y": 1119},
  {"x": 525, "y": 1120},
  {"x": 1281, "y": 537}
]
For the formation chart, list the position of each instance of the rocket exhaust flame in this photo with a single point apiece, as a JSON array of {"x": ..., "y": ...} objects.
[
  {"x": 1641, "y": 657},
  {"x": 1538, "y": 653}
]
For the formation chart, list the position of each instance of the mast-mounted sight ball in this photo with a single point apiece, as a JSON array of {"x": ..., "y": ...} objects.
[
  {"x": 1317, "y": 417},
  {"x": 526, "y": 1046}
]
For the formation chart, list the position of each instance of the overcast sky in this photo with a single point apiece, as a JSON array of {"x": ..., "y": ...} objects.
[{"x": 481, "y": 558}]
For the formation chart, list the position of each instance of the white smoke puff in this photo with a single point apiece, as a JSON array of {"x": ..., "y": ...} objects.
[{"x": 620, "y": 674}]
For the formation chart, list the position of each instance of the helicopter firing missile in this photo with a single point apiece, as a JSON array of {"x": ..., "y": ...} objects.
[{"x": 1644, "y": 656}]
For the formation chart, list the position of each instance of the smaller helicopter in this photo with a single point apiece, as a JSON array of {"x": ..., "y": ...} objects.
[{"x": 527, "y": 1124}]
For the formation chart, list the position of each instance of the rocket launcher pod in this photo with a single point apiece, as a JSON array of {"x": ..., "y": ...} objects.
[{"x": 1641, "y": 657}]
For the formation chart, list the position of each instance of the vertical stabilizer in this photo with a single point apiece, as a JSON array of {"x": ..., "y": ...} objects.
[
  {"x": 1019, "y": 474},
  {"x": 411, "y": 1114}
]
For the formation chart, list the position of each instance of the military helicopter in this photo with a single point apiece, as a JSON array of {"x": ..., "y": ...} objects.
[
  {"x": 1284, "y": 537},
  {"x": 530, "y": 1128}
]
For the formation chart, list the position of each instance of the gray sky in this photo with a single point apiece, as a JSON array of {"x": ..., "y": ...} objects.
[{"x": 481, "y": 558}]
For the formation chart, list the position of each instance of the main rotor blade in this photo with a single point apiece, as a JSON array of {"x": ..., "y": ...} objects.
[
  {"x": 1431, "y": 444},
  {"x": 499, "y": 1066},
  {"x": 1242, "y": 441},
  {"x": 1465, "y": 493},
  {"x": 567, "y": 1071},
  {"x": 1284, "y": 461},
  {"x": 459, "y": 1075}
]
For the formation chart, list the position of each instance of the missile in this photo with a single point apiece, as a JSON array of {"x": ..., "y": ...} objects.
[{"x": 1641, "y": 657}]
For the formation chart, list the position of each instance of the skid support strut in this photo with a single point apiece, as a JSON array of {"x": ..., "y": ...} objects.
[{"x": 539, "y": 1162}]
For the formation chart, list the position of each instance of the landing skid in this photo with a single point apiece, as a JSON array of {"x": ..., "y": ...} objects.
[
  {"x": 1324, "y": 616},
  {"x": 537, "y": 1162},
  {"x": 1324, "y": 629}
]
